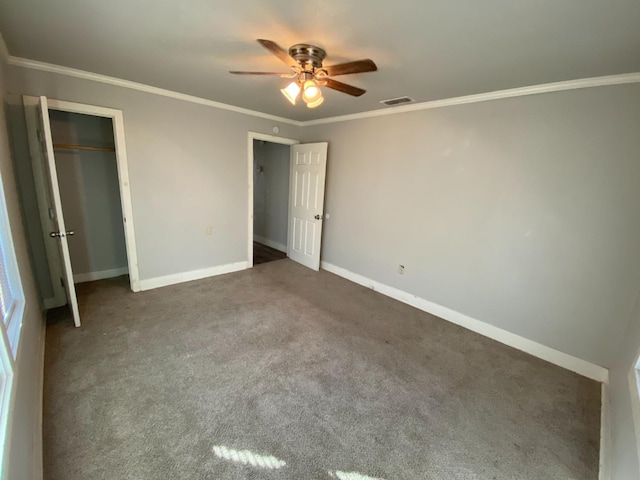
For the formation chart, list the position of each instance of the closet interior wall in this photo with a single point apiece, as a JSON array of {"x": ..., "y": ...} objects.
[{"x": 87, "y": 171}]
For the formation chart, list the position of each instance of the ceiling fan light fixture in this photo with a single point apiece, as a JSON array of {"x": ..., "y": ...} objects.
[
  {"x": 316, "y": 103},
  {"x": 311, "y": 92},
  {"x": 291, "y": 92},
  {"x": 305, "y": 62}
]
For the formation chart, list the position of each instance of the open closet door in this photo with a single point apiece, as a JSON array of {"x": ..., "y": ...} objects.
[
  {"x": 308, "y": 171},
  {"x": 59, "y": 235}
]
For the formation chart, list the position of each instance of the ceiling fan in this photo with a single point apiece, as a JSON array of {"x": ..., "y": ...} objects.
[{"x": 305, "y": 62}]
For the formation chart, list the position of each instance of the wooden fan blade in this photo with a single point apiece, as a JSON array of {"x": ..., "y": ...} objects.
[
  {"x": 278, "y": 51},
  {"x": 359, "y": 66},
  {"x": 277, "y": 74},
  {"x": 342, "y": 87}
]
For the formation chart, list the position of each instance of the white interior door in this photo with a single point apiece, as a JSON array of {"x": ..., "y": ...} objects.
[
  {"x": 308, "y": 171},
  {"x": 58, "y": 296},
  {"x": 60, "y": 234}
]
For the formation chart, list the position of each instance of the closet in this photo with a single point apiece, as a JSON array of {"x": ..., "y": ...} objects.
[
  {"x": 87, "y": 171},
  {"x": 81, "y": 184}
]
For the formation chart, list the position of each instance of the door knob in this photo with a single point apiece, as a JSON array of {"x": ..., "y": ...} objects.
[
  {"x": 318, "y": 217},
  {"x": 70, "y": 233}
]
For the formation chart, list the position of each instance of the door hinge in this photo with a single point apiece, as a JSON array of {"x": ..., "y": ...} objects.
[
  {"x": 40, "y": 135},
  {"x": 52, "y": 214}
]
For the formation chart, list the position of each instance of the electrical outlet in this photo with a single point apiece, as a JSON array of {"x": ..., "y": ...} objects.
[
  {"x": 209, "y": 230},
  {"x": 401, "y": 269}
]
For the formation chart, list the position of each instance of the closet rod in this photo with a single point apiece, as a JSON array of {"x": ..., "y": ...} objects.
[{"x": 83, "y": 147}]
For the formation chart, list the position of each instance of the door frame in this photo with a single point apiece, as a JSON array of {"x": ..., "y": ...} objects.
[
  {"x": 267, "y": 138},
  {"x": 117, "y": 119}
]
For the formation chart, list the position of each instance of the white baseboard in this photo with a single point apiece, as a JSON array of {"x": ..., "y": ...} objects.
[
  {"x": 157, "y": 282},
  {"x": 270, "y": 243},
  {"x": 605, "y": 435},
  {"x": 100, "y": 275},
  {"x": 543, "y": 352}
]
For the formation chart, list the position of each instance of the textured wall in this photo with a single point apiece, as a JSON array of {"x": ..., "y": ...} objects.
[
  {"x": 187, "y": 165},
  {"x": 523, "y": 213},
  {"x": 23, "y": 460}
]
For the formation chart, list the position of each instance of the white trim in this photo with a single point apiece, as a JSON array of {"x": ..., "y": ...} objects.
[
  {"x": 484, "y": 97},
  {"x": 250, "y": 138},
  {"x": 123, "y": 175},
  {"x": 543, "y": 352},
  {"x": 605, "y": 435},
  {"x": 10, "y": 330},
  {"x": 55, "y": 196},
  {"x": 269, "y": 243},
  {"x": 7, "y": 370},
  {"x": 47, "y": 224},
  {"x": 73, "y": 72},
  {"x": 99, "y": 275},
  {"x": 157, "y": 282},
  {"x": 620, "y": 79}
]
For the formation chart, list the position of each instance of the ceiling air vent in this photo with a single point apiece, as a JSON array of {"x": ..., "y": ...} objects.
[{"x": 397, "y": 101}]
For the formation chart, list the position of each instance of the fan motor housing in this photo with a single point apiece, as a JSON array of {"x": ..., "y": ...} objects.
[{"x": 306, "y": 54}]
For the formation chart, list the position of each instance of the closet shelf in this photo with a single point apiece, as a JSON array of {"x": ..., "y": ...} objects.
[{"x": 65, "y": 146}]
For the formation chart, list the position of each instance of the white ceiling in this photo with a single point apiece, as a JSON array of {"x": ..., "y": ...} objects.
[{"x": 428, "y": 50}]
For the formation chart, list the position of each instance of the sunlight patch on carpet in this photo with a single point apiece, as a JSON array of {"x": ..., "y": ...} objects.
[
  {"x": 352, "y": 476},
  {"x": 247, "y": 457}
]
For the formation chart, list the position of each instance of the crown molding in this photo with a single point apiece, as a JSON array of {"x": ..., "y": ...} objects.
[
  {"x": 620, "y": 79},
  {"x": 96, "y": 77},
  {"x": 485, "y": 97}
]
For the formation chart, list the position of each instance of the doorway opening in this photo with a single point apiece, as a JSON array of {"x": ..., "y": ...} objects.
[
  {"x": 271, "y": 167},
  {"x": 82, "y": 187},
  {"x": 86, "y": 165},
  {"x": 305, "y": 212},
  {"x": 269, "y": 197}
]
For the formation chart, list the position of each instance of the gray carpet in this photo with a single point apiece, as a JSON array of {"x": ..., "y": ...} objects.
[{"x": 280, "y": 372}]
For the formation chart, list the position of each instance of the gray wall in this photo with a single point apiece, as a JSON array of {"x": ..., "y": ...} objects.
[
  {"x": 90, "y": 192},
  {"x": 271, "y": 192},
  {"x": 23, "y": 460},
  {"x": 187, "y": 165},
  {"x": 24, "y": 176},
  {"x": 523, "y": 213}
]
